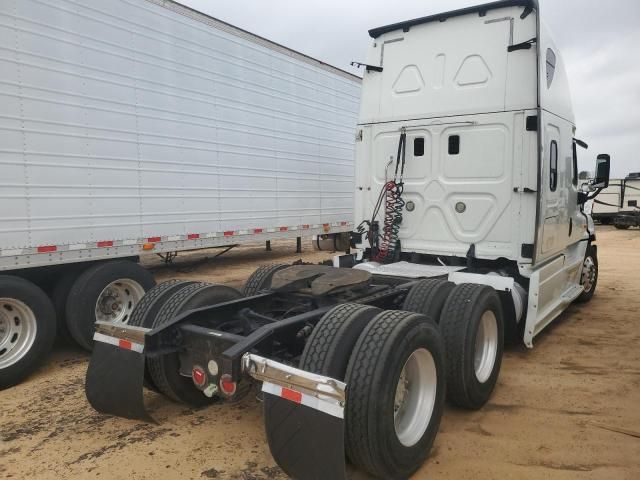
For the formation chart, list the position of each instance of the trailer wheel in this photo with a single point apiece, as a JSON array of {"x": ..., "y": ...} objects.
[
  {"x": 329, "y": 347},
  {"x": 472, "y": 325},
  {"x": 395, "y": 394},
  {"x": 427, "y": 297},
  {"x": 620, "y": 226},
  {"x": 27, "y": 329},
  {"x": 589, "y": 277},
  {"x": 59, "y": 295},
  {"x": 105, "y": 292},
  {"x": 165, "y": 370},
  {"x": 261, "y": 279}
]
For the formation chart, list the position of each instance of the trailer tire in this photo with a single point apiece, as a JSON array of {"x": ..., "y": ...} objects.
[
  {"x": 622, "y": 227},
  {"x": 25, "y": 342},
  {"x": 59, "y": 295},
  {"x": 165, "y": 369},
  {"x": 589, "y": 275},
  {"x": 427, "y": 297},
  {"x": 90, "y": 288},
  {"x": 329, "y": 346},
  {"x": 261, "y": 279},
  {"x": 472, "y": 318},
  {"x": 383, "y": 438}
]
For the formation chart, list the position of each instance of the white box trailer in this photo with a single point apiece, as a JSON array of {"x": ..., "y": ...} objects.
[{"x": 142, "y": 126}]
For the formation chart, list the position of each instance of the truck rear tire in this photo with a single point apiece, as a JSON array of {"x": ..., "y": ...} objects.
[
  {"x": 427, "y": 297},
  {"x": 165, "y": 369},
  {"x": 27, "y": 329},
  {"x": 329, "y": 347},
  {"x": 147, "y": 309},
  {"x": 108, "y": 292},
  {"x": 472, "y": 325},
  {"x": 261, "y": 279},
  {"x": 589, "y": 276},
  {"x": 395, "y": 394}
]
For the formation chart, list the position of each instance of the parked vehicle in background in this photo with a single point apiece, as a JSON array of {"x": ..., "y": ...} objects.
[
  {"x": 605, "y": 208},
  {"x": 144, "y": 127},
  {"x": 471, "y": 232},
  {"x": 629, "y": 214}
]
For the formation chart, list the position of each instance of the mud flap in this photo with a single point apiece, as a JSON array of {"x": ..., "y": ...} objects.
[
  {"x": 114, "y": 381},
  {"x": 307, "y": 443}
]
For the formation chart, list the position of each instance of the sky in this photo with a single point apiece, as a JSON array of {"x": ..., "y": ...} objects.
[{"x": 599, "y": 41}]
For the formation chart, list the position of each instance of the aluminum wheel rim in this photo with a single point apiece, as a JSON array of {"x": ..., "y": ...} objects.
[
  {"x": 486, "y": 346},
  {"x": 18, "y": 329},
  {"x": 588, "y": 274},
  {"x": 415, "y": 397},
  {"x": 117, "y": 301}
]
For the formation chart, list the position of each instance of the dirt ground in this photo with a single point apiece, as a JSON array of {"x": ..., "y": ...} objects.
[{"x": 569, "y": 409}]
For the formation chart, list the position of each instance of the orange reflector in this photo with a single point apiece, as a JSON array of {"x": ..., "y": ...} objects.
[
  {"x": 148, "y": 246},
  {"x": 291, "y": 395}
]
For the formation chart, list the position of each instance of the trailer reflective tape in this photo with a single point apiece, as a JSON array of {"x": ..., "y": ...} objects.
[
  {"x": 130, "y": 242},
  {"x": 193, "y": 236},
  {"x": 47, "y": 249},
  {"x": 305, "y": 227},
  {"x": 79, "y": 246},
  {"x": 229, "y": 234},
  {"x": 284, "y": 229},
  {"x": 105, "y": 244},
  {"x": 257, "y": 230},
  {"x": 118, "y": 342},
  {"x": 11, "y": 253},
  {"x": 317, "y": 403},
  {"x": 154, "y": 239}
]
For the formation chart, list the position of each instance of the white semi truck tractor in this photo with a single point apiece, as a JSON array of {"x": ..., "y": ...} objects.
[{"x": 471, "y": 234}]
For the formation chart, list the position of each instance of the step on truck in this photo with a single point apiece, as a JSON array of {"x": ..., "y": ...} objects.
[
  {"x": 142, "y": 127},
  {"x": 471, "y": 234}
]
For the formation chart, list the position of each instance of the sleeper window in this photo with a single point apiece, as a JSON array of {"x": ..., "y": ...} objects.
[
  {"x": 553, "y": 182},
  {"x": 454, "y": 144},
  {"x": 551, "y": 67}
]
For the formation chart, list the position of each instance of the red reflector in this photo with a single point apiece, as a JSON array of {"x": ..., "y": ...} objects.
[
  {"x": 284, "y": 229},
  {"x": 199, "y": 377},
  {"x": 343, "y": 223},
  {"x": 47, "y": 249},
  {"x": 105, "y": 244},
  {"x": 291, "y": 395},
  {"x": 257, "y": 230},
  {"x": 126, "y": 344},
  {"x": 193, "y": 236},
  {"x": 228, "y": 234},
  {"x": 306, "y": 227},
  {"x": 228, "y": 387},
  {"x": 154, "y": 239}
]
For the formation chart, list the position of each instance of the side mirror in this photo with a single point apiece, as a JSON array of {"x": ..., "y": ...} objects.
[{"x": 603, "y": 169}]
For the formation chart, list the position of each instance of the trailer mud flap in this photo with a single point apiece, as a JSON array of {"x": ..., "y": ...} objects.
[
  {"x": 307, "y": 443},
  {"x": 115, "y": 379}
]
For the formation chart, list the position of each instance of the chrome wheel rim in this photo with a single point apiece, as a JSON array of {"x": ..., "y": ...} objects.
[
  {"x": 588, "y": 274},
  {"x": 415, "y": 397},
  {"x": 18, "y": 329},
  {"x": 117, "y": 301},
  {"x": 486, "y": 346}
]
